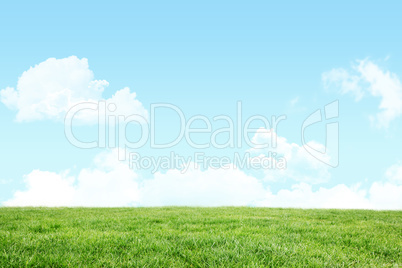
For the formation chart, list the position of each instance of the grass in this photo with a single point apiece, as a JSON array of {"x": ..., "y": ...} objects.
[{"x": 199, "y": 237}]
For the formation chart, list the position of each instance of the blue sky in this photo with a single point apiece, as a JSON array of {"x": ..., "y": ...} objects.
[{"x": 276, "y": 58}]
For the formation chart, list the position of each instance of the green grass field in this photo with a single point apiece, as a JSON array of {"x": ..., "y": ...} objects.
[{"x": 199, "y": 237}]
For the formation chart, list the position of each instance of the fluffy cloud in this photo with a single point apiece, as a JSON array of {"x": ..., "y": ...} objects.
[
  {"x": 381, "y": 195},
  {"x": 45, "y": 189},
  {"x": 51, "y": 88},
  {"x": 385, "y": 195},
  {"x": 302, "y": 196},
  {"x": 367, "y": 77},
  {"x": 111, "y": 183},
  {"x": 212, "y": 187},
  {"x": 300, "y": 165}
]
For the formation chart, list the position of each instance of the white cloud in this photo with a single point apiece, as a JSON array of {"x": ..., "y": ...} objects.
[
  {"x": 385, "y": 195},
  {"x": 367, "y": 77},
  {"x": 51, "y": 88},
  {"x": 381, "y": 195},
  {"x": 212, "y": 187},
  {"x": 302, "y": 196},
  {"x": 127, "y": 104},
  {"x": 300, "y": 165},
  {"x": 45, "y": 189},
  {"x": 111, "y": 183}
]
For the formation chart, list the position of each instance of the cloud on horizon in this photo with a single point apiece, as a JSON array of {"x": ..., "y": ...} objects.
[{"x": 111, "y": 183}]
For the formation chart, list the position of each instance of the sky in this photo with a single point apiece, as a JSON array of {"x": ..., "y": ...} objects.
[{"x": 91, "y": 95}]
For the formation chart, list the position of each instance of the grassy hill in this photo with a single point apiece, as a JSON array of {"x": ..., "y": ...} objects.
[{"x": 199, "y": 237}]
